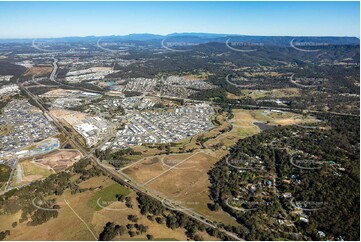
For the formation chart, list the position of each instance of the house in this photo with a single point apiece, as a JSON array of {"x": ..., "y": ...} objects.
[
  {"x": 304, "y": 220},
  {"x": 286, "y": 181},
  {"x": 287, "y": 195},
  {"x": 321, "y": 234}
]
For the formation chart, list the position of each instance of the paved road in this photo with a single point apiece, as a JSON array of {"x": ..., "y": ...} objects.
[
  {"x": 121, "y": 177},
  {"x": 301, "y": 85},
  {"x": 233, "y": 84},
  {"x": 118, "y": 176},
  {"x": 53, "y": 79},
  {"x": 41, "y": 49}
]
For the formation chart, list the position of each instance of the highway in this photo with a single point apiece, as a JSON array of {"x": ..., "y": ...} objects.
[
  {"x": 122, "y": 178},
  {"x": 55, "y": 68},
  {"x": 53, "y": 79},
  {"x": 119, "y": 176}
]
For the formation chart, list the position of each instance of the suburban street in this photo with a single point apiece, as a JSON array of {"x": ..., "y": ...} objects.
[{"x": 118, "y": 176}]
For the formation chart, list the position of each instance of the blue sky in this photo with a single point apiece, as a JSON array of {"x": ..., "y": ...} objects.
[{"x": 57, "y": 19}]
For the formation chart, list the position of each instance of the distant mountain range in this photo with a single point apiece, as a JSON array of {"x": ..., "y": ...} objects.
[{"x": 199, "y": 38}]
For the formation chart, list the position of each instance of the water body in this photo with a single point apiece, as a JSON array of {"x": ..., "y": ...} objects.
[{"x": 264, "y": 126}]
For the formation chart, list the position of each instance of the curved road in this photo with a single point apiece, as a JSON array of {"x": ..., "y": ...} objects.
[{"x": 119, "y": 176}]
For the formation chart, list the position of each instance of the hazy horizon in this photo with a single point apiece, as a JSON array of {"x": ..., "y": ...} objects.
[
  {"x": 22, "y": 20},
  {"x": 180, "y": 33}
]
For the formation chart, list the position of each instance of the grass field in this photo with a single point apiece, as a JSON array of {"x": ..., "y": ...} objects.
[
  {"x": 5, "y": 129},
  {"x": 142, "y": 171},
  {"x": 68, "y": 226},
  {"x": 107, "y": 195},
  {"x": 186, "y": 184},
  {"x": 32, "y": 169},
  {"x": 257, "y": 94},
  {"x": 159, "y": 231},
  {"x": 281, "y": 118},
  {"x": 4, "y": 173},
  {"x": 242, "y": 127},
  {"x": 183, "y": 177},
  {"x": 27, "y": 172}
]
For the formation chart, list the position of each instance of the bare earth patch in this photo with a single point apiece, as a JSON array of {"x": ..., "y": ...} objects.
[{"x": 39, "y": 71}]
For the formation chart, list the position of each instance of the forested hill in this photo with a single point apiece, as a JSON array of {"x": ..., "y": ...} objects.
[{"x": 206, "y": 38}]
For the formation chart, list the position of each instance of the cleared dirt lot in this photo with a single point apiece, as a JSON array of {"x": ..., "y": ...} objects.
[
  {"x": 27, "y": 172},
  {"x": 59, "y": 160},
  {"x": 43, "y": 166},
  {"x": 70, "y": 117},
  {"x": 39, "y": 71}
]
